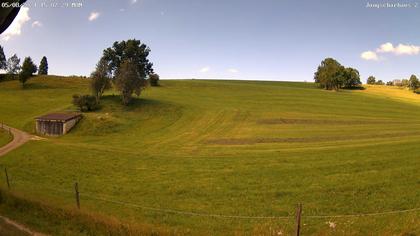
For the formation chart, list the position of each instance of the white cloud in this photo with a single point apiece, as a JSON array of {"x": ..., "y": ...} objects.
[
  {"x": 400, "y": 49},
  {"x": 36, "y": 24},
  {"x": 205, "y": 69},
  {"x": 369, "y": 56},
  {"x": 386, "y": 47},
  {"x": 389, "y": 48},
  {"x": 94, "y": 15},
  {"x": 405, "y": 49},
  {"x": 133, "y": 1},
  {"x": 233, "y": 70},
  {"x": 15, "y": 28}
]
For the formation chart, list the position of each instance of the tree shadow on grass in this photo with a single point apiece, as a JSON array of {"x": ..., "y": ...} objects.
[
  {"x": 355, "y": 88},
  {"x": 136, "y": 103},
  {"x": 35, "y": 85}
]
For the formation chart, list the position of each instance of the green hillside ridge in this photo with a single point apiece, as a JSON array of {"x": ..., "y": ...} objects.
[{"x": 243, "y": 148}]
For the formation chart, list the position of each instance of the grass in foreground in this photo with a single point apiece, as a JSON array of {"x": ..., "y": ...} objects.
[{"x": 227, "y": 148}]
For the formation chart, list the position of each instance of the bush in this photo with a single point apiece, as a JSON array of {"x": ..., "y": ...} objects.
[
  {"x": 154, "y": 80},
  {"x": 85, "y": 102},
  {"x": 379, "y": 82},
  {"x": 8, "y": 77}
]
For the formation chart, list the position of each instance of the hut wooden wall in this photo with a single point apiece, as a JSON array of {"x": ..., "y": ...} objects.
[{"x": 50, "y": 127}]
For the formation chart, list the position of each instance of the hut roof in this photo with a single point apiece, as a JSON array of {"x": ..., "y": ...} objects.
[{"x": 59, "y": 116}]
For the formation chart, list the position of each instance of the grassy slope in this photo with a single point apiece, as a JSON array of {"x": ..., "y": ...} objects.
[
  {"x": 5, "y": 137},
  {"x": 232, "y": 148}
]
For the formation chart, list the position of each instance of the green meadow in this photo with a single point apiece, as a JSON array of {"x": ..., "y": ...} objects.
[
  {"x": 225, "y": 150},
  {"x": 5, "y": 137}
]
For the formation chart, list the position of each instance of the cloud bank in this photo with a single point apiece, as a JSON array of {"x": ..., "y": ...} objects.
[{"x": 389, "y": 48}]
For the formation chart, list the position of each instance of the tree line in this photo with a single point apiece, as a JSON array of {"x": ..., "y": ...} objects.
[
  {"x": 124, "y": 66},
  {"x": 412, "y": 83},
  {"x": 14, "y": 70},
  {"x": 331, "y": 75}
]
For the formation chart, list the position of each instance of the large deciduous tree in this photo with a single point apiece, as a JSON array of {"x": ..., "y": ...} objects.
[
  {"x": 28, "y": 69},
  {"x": 351, "y": 78},
  {"x": 332, "y": 75},
  {"x": 100, "y": 79},
  {"x": 43, "y": 66},
  {"x": 329, "y": 74},
  {"x": 127, "y": 81},
  {"x": 128, "y": 58}
]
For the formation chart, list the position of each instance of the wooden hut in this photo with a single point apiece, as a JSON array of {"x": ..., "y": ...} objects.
[{"x": 56, "y": 124}]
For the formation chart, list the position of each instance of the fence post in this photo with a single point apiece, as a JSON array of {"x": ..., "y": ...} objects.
[
  {"x": 76, "y": 188},
  {"x": 7, "y": 178},
  {"x": 298, "y": 217}
]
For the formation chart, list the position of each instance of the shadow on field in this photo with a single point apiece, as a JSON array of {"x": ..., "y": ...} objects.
[
  {"x": 135, "y": 104},
  {"x": 35, "y": 86}
]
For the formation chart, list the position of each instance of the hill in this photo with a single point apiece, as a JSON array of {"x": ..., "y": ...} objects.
[{"x": 189, "y": 154}]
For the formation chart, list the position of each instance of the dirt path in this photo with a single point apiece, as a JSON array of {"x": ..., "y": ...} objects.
[
  {"x": 19, "y": 138},
  {"x": 17, "y": 229}
]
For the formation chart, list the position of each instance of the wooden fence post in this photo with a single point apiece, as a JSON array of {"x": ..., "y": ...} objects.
[
  {"x": 7, "y": 178},
  {"x": 76, "y": 188},
  {"x": 298, "y": 217}
]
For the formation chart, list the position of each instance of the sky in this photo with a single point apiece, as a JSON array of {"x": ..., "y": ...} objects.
[{"x": 224, "y": 39}]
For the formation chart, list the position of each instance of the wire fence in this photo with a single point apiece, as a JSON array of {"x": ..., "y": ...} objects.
[{"x": 109, "y": 199}]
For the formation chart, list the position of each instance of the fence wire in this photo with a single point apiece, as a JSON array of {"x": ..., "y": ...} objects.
[
  {"x": 201, "y": 214},
  {"x": 109, "y": 199}
]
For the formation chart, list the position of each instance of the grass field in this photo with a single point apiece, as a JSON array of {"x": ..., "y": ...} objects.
[
  {"x": 5, "y": 137},
  {"x": 238, "y": 148}
]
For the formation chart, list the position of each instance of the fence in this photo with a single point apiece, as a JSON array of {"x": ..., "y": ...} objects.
[{"x": 297, "y": 217}]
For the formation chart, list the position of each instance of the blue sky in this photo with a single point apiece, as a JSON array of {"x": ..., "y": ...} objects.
[{"x": 238, "y": 39}]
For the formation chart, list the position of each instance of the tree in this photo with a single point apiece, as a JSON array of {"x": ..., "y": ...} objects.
[
  {"x": 379, "y": 82},
  {"x": 28, "y": 69},
  {"x": 413, "y": 83},
  {"x": 129, "y": 81},
  {"x": 389, "y": 83},
  {"x": 371, "y": 80},
  {"x": 100, "y": 79},
  {"x": 13, "y": 65},
  {"x": 132, "y": 50},
  {"x": 128, "y": 66},
  {"x": 3, "y": 61},
  {"x": 154, "y": 79},
  {"x": 43, "y": 66},
  {"x": 404, "y": 82},
  {"x": 85, "y": 102},
  {"x": 351, "y": 78},
  {"x": 329, "y": 74}
]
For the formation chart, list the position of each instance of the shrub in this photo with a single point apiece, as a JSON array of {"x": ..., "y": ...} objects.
[
  {"x": 85, "y": 102},
  {"x": 379, "y": 82},
  {"x": 154, "y": 79}
]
